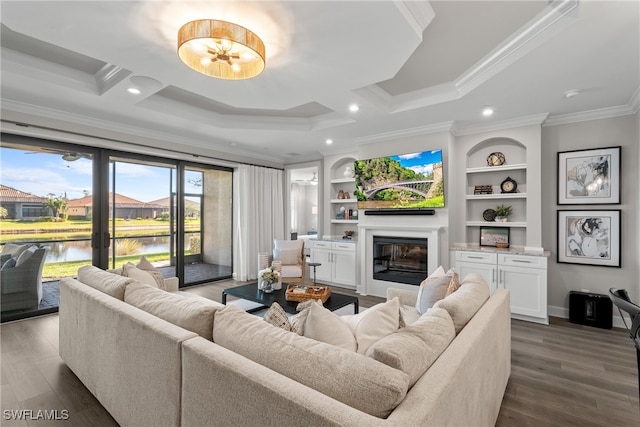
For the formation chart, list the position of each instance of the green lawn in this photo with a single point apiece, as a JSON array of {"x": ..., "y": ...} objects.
[{"x": 55, "y": 270}]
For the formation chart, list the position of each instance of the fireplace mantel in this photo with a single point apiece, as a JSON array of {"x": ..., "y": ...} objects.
[{"x": 367, "y": 285}]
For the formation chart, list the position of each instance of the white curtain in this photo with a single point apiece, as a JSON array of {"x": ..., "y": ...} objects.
[{"x": 259, "y": 217}]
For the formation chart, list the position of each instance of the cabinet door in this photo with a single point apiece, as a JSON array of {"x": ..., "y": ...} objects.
[
  {"x": 487, "y": 271},
  {"x": 344, "y": 268},
  {"x": 528, "y": 288},
  {"x": 323, "y": 271}
]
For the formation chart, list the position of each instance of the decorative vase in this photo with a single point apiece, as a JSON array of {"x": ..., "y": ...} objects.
[
  {"x": 267, "y": 287},
  {"x": 348, "y": 172},
  {"x": 502, "y": 218}
]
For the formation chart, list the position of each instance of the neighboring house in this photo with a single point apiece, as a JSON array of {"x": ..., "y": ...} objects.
[
  {"x": 21, "y": 205},
  {"x": 125, "y": 207},
  {"x": 192, "y": 209}
]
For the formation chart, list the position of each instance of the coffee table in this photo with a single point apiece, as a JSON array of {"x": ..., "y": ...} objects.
[{"x": 252, "y": 293}]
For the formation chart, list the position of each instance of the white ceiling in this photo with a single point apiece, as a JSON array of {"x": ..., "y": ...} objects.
[{"x": 412, "y": 67}]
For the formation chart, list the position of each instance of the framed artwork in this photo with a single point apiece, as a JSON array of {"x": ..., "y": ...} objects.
[
  {"x": 589, "y": 177},
  {"x": 589, "y": 237},
  {"x": 490, "y": 236}
]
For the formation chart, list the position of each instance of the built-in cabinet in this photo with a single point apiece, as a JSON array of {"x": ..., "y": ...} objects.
[
  {"x": 525, "y": 276},
  {"x": 337, "y": 262}
]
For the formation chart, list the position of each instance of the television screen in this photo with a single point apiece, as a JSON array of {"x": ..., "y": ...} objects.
[{"x": 412, "y": 181}]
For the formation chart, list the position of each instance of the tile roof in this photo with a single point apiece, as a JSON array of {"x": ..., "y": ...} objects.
[
  {"x": 8, "y": 194},
  {"x": 120, "y": 201}
]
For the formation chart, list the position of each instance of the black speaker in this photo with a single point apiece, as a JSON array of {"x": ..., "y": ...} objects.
[{"x": 590, "y": 309}]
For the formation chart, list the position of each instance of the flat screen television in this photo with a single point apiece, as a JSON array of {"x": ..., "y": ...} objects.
[{"x": 406, "y": 181}]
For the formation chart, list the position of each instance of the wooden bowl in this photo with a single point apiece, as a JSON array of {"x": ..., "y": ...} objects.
[{"x": 502, "y": 245}]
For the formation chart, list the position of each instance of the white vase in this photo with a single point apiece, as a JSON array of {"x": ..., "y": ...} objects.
[
  {"x": 348, "y": 172},
  {"x": 502, "y": 218}
]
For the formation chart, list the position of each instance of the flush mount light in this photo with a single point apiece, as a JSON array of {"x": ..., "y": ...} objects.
[
  {"x": 134, "y": 90},
  {"x": 487, "y": 111},
  {"x": 353, "y": 108},
  {"x": 571, "y": 93},
  {"x": 329, "y": 141},
  {"x": 221, "y": 49}
]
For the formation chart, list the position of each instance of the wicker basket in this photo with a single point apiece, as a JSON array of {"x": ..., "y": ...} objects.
[{"x": 302, "y": 293}]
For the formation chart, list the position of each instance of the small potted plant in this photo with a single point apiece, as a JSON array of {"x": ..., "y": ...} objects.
[{"x": 503, "y": 212}]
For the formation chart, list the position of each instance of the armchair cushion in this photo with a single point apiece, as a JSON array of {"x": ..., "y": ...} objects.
[
  {"x": 287, "y": 256},
  {"x": 9, "y": 264}
]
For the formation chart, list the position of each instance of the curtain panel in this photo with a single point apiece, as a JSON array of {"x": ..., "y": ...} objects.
[{"x": 259, "y": 217}]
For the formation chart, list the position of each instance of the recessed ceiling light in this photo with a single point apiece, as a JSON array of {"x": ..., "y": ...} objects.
[
  {"x": 329, "y": 141},
  {"x": 134, "y": 90},
  {"x": 487, "y": 111},
  {"x": 353, "y": 108},
  {"x": 571, "y": 93}
]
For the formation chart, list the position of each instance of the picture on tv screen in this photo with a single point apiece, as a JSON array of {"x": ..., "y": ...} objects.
[{"x": 412, "y": 181}]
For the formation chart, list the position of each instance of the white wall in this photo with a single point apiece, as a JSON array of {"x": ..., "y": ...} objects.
[{"x": 563, "y": 278}]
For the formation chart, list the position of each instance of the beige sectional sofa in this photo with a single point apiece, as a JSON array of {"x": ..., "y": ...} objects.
[{"x": 146, "y": 370}]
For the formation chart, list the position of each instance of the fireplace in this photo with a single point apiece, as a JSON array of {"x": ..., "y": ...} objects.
[
  {"x": 400, "y": 259},
  {"x": 411, "y": 234}
]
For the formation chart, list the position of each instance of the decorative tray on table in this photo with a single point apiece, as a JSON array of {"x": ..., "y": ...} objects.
[{"x": 302, "y": 293}]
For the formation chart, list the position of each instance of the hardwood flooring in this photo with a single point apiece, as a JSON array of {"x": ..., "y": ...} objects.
[{"x": 562, "y": 374}]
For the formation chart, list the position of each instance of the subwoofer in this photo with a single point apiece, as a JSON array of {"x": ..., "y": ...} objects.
[{"x": 586, "y": 308}]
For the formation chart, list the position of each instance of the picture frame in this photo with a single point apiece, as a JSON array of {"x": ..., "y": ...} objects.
[
  {"x": 589, "y": 237},
  {"x": 589, "y": 177},
  {"x": 490, "y": 236}
]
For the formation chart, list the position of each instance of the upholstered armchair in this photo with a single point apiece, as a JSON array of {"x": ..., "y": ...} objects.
[
  {"x": 291, "y": 254},
  {"x": 21, "y": 279}
]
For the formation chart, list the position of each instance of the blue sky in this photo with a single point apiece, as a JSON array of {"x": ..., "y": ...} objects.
[
  {"x": 44, "y": 173},
  {"x": 420, "y": 162}
]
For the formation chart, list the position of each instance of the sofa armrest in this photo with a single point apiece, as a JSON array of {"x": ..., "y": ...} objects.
[
  {"x": 171, "y": 284},
  {"x": 406, "y": 297}
]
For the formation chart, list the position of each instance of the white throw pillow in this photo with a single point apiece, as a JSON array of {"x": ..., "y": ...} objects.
[
  {"x": 145, "y": 265},
  {"x": 423, "y": 293},
  {"x": 130, "y": 270},
  {"x": 325, "y": 326},
  {"x": 374, "y": 324}
]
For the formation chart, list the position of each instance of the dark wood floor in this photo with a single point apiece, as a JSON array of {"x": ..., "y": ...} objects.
[{"x": 562, "y": 374}]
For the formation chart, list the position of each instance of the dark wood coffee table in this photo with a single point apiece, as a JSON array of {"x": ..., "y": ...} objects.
[{"x": 252, "y": 293}]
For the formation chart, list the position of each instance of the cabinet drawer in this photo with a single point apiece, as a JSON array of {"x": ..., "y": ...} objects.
[
  {"x": 471, "y": 256},
  {"x": 322, "y": 245},
  {"x": 344, "y": 246},
  {"x": 523, "y": 261}
]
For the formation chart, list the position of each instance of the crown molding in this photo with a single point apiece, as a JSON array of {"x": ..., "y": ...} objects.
[
  {"x": 536, "y": 119},
  {"x": 516, "y": 46},
  {"x": 404, "y": 133},
  {"x": 585, "y": 116}
]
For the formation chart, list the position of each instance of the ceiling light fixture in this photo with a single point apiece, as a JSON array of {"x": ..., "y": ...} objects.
[
  {"x": 134, "y": 90},
  {"x": 221, "y": 49},
  {"x": 487, "y": 111},
  {"x": 329, "y": 141},
  {"x": 353, "y": 108}
]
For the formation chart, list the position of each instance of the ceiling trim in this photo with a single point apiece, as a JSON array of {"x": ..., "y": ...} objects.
[
  {"x": 584, "y": 116},
  {"x": 109, "y": 76},
  {"x": 417, "y": 14},
  {"x": 535, "y": 119},
  {"x": 404, "y": 133},
  {"x": 513, "y": 48}
]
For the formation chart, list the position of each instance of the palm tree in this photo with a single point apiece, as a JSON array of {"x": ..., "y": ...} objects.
[{"x": 56, "y": 204}]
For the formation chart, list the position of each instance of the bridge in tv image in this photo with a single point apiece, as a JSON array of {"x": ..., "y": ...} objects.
[{"x": 421, "y": 188}]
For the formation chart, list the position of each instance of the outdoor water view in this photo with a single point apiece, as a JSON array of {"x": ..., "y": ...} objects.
[{"x": 46, "y": 200}]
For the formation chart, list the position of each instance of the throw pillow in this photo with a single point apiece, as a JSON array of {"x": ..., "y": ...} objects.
[
  {"x": 454, "y": 284},
  {"x": 408, "y": 315},
  {"x": 287, "y": 256},
  {"x": 133, "y": 272},
  {"x": 325, "y": 326},
  {"x": 463, "y": 304},
  {"x": 432, "y": 292},
  {"x": 25, "y": 255},
  {"x": 277, "y": 317},
  {"x": 374, "y": 324},
  {"x": 439, "y": 272},
  {"x": 145, "y": 265}
]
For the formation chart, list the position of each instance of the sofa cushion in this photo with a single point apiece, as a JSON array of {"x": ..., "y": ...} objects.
[
  {"x": 109, "y": 283},
  {"x": 414, "y": 349},
  {"x": 26, "y": 254},
  {"x": 15, "y": 249},
  {"x": 191, "y": 314},
  {"x": 350, "y": 378},
  {"x": 10, "y": 263},
  {"x": 463, "y": 304},
  {"x": 408, "y": 315}
]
